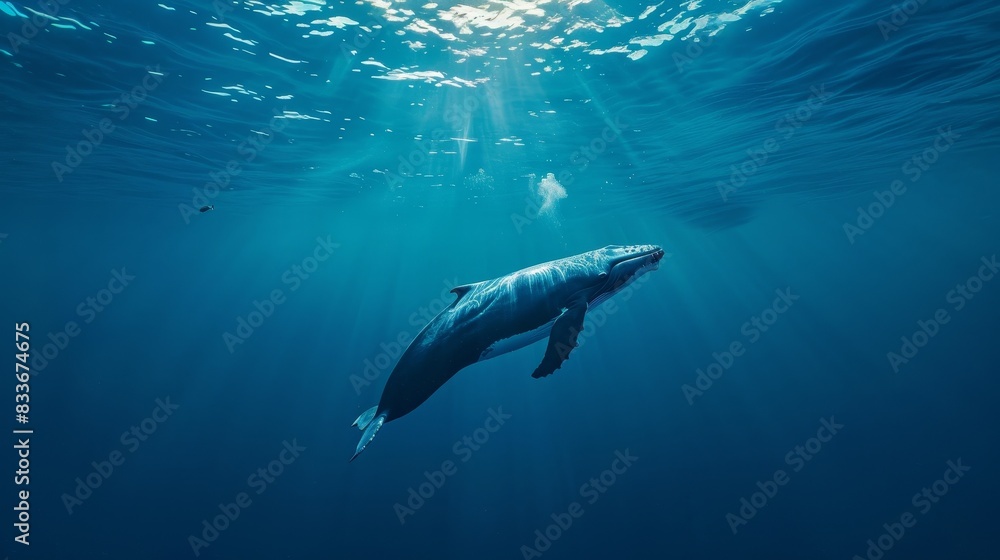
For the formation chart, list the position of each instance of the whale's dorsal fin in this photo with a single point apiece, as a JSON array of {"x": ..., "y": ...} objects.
[
  {"x": 564, "y": 335},
  {"x": 460, "y": 291}
]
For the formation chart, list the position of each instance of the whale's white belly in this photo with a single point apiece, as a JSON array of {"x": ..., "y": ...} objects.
[{"x": 517, "y": 341}]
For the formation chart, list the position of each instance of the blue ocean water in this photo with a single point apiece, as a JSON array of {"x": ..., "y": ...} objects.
[{"x": 809, "y": 374}]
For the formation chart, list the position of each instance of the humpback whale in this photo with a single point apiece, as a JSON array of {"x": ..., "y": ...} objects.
[{"x": 497, "y": 316}]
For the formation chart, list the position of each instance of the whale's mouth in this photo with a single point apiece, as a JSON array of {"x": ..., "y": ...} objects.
[
  {"x": 653, "y": 259},
  {"x": 635, "y": 264}
]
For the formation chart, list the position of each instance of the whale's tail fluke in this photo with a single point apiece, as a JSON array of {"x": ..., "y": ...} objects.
[
  {"x": 370, "y": 424},
  {"x": 365, "y": 418}
]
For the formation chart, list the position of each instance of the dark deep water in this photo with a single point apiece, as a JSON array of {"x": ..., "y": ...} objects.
[{"x": 822, "y": 176}]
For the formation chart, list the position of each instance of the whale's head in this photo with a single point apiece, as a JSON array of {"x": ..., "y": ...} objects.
[{"x": 624, "y": 263}]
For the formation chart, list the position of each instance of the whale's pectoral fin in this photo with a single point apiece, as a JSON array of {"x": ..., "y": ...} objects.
[{"x": 563, "y": 339}]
